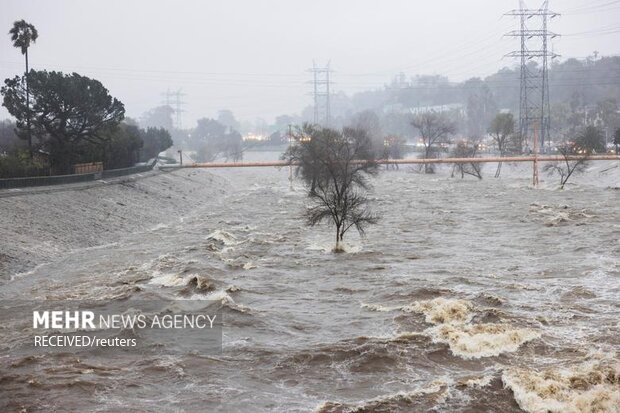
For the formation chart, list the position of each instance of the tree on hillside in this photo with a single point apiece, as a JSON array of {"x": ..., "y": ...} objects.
[
  {"x": 480, "y": 107},
  {"x": 211, "y": 140},
  {"x": 227, "y": 118},
  {"x": 22, "y": 34},
  {"x": 435, "y": 129},
  {"x": 66, "y": 110},
  {"x": 335, "y": 165},
  {"x": 368, "y": 121},
  {"x": 394, "y": 123},
  {"x": 501, "y": 129},
  {"x": 575, "y": 154},
  {"x": 617, "y": 140},
  {"x": 607, "y": 113},
  {"x": 158, "y": 117}
]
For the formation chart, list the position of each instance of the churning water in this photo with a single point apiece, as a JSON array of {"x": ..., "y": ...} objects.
[{"x": 468, "y": 296}]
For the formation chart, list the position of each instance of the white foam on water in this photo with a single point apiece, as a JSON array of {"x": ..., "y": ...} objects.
[
  {"x": 226, "y": 237},
  {"x": 220, "y": 296},
  {"x": 26, "y": 273},
  {"x": 248, "y": 266},
  {"x": 471, "y": 341},
  {"x": 329, "y": 247},
  {"x": 168, "y": 280},
  {"x": 476, "y": 382},
  {"x": 379, "y": 307},
  {"x": 452, "y": 319},
  {"x": 442, "y": 310},
  {"x": 590, "y": 387}
]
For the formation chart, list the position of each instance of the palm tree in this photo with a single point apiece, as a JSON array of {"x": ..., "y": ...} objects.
[{"x": 22, "y": 34}]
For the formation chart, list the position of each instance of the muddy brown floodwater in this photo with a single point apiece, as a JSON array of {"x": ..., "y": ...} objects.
[{"x": 468, "y": 296}]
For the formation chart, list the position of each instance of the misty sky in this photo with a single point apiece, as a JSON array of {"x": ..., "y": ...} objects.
[{"x": 251, "y": 56}]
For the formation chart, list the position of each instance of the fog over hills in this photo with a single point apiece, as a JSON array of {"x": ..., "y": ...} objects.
[{"x": 252, "y": 57}]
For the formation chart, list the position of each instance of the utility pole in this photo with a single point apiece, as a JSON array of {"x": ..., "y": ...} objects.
[
  {"x": 321, "y": 93},
  {"x": 174, "y": 98},
  {"x": 535, "y": 163},
  {"x": 534, "y": 107},
  {"x": 290, "y": 167}
]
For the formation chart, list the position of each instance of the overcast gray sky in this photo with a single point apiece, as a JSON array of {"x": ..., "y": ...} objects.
[{"x": 251, "y": 56}]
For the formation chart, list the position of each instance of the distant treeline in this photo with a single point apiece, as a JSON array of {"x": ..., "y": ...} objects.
[{"x": 582, "y": 93}]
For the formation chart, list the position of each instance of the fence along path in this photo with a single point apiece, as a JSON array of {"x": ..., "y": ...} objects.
[{"x": 9, "y": 183}]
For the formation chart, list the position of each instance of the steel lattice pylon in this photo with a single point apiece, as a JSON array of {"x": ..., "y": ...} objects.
[
  {"x": 534, "y": 107},
  {"x": 321, "y": 84}
]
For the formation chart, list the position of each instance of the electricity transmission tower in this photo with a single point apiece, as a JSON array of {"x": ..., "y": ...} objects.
[
  {"x": 534, "y": 108},
  {"x": 174, "y": 98},
  {"x": 320, "y": 93}
]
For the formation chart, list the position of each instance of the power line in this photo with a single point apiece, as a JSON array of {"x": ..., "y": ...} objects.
[{"x": 591, "y": 7}]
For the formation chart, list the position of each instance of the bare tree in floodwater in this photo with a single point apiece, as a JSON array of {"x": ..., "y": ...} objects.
[
  {"x": 435, "y": 129},
  {"x": 575, "y": 154},
  {"x": 501, "y": 129},
  {"x": 466, "y": 150},
  {"x": 335, "y": 167},
  {"x": 393, "y": 148}
]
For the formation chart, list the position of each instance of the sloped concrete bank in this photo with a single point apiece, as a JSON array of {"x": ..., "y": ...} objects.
[{"x": 39, "y": 227}]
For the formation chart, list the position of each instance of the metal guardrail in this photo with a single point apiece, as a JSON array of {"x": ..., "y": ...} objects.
[
  {"x": 113, "y": 173},
  {"x": 71, "y": 179}
]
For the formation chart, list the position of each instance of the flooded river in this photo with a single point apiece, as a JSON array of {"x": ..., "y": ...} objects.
[{"x": 468, "y": 296}]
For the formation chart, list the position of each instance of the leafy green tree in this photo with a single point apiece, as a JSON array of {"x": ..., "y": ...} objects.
[
  {"x": 123, "y": 146},
  {"x": 502, "y": 127},
  {"x": 22, "y": 34},
  {"x": 66, "y": 110},
  {"x": 18, "y": 163},
  {"x": 590, "y": 140},
  {"x": 119, "y": 148},
  {"x": 156, "y": 140}
]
